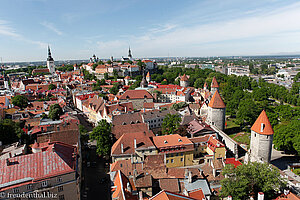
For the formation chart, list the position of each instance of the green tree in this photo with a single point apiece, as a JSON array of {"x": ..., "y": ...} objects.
[
  {"x": 171, "y": 123},
  {"x": 114, "y": 90},
  {"x": 55, "y": 111},
  {"x": 287, "y": 137},
  {"x": 51, "y": 87},
  {"x": 247, "y": 112},
  {"x": 102, "y": 134},
  {"x": 20, "y": 101},
  {"x": 94, "y": 66},
  {"x": 246, "y": 180},
  {"x": 199, "y": 82},
  {"x": 105, "y": 76},
  {"x": 10, "y": 131}
]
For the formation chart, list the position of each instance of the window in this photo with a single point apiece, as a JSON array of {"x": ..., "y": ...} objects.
[
  {"x": 176, "y": 154},
  {"x": 150, "y": 150},
  {"x": 59, "y": 179},
  {"x": 167, "y": 161},
  {"x": 181, "y": 154},
  {"x": 29, "y": 187},
  {"x": 121, "y": 165},
  {"x": 181, "y": 159},
  {"x": 61, "y": 197},
  {"x": 172, "y": 160},
  {"x": 16, "y": 190},
  {"x": 60, "y": 188},
  {"x": 44, "y": 184}
]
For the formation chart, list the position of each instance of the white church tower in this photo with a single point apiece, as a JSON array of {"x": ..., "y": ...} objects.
[
  {"x": 261, "y": 140},
  {"x": 50, "y": 62}
]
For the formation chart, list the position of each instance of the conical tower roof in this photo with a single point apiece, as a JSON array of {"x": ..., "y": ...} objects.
[
  {"x": 214, "y": 83},
  {"x": 184, "y": 78},
  {"x": 205, "y": 85},
  {"x": 148, "y": 74},
  {"x": 216, "y": 101},
  {"x": 262, "y": 125}
]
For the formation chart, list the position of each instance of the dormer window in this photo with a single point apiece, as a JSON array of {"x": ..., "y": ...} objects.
[
  {"x": 166, "y": 142},
  {"x": 179, "y": 140}
]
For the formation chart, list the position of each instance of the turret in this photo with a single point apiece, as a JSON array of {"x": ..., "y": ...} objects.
[
  {"x": 214, "y": 86},
  {"x": 129, "y": 54},
  {"x": 148, "y": 77},
  {"x": 50, "y": 62},
  {"x": 184, "y": 81},
  {"x": 261, "y": 139},
  {"x": 216, "y": 111}
]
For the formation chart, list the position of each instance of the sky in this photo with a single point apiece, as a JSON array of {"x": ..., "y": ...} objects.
[{"x": 77, "y": 29}]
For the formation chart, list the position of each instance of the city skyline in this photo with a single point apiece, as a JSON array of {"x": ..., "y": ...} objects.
[{"x": 76, "y": 30}]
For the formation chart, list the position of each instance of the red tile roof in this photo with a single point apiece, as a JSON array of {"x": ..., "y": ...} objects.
[
  {"x": 167, "y": 195},
  {"x": 289, "y": 196},
  {"x": 197, "y": 194},
  {"x": 184, "y": 78},
  {"x": 171, "y": 141},
  {"x": 213, "y": 143},
  {"x": 56, "y": 160},
  {"x": 170, "y": 184},
  {"x": 214, "y": 83},
  {"x": 127, "y": 141},
  {"x": 233, "y": 161},
  {"x": 148, "y": 74},
  {"x": 216, "y": 101},
  {"x": 136, "y": 94},
  {"x": 126, "y": 167},
  {"x": 262, "y": 125},
  {"x": 119, "y": 130}
]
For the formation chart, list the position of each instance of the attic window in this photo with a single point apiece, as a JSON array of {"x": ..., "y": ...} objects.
[
  {"x": 166, "y": 142},
  {"x": 179, "y": 140},
  {"x": 121, "y": 165}
]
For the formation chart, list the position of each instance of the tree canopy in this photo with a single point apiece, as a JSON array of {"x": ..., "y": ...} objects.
[
  {"x": 170, "y": 124},
  {"x": 249, "y": 179},
  {"x": 10, "y": 131},
  {"x": 20, "y": 101},
  {"x": 55, "y": 111},
  {"x": 102, "y": 134}
]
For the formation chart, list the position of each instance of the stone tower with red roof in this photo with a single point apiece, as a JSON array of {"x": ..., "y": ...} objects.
[
  {"x": 216, "y": 111},
  {"x": 214, "y": 86},
  {"x": 184, "y": 81},
  {"x": 261, "y": 140}
]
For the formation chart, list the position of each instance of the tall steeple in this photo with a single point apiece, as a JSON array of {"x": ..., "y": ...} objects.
[
  {"x": 49, "y": 54},
  {"x": 129, "y": 53}
]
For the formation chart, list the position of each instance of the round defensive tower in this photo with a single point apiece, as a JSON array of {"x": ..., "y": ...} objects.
[{"x": 216, "y": 111}]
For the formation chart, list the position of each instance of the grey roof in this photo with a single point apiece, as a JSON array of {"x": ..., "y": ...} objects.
[
  {"x": 157, "y": 114},
  {"x": 197, "y": 184}
]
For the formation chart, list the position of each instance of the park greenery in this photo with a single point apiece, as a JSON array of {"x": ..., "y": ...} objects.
[
  {"x": 102, "y": 134},
  {"x": 170, "y": 124},
  {"x": 55, "y": 111},
  {"x": 249, "y": 179},
  {"x": 20, "y": 101},
  {"x": 10, "y": 131}
]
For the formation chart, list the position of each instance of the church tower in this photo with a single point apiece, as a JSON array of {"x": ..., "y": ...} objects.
[
  {"x": 214, "y": 86},
  {"x": 6, "y": 84},
  {"x": 50, "y": 62},
  {"x": 216, "y": 111},
  {"x": 261, "y": 140},
  {"x": 129, "y": 54}
]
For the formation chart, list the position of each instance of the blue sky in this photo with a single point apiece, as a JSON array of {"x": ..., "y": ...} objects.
[{"x": 76, "y": 29}]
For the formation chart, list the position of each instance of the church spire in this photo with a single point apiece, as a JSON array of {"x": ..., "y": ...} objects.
[
  {"x": 129, "y": 53},
  {"x": 49, "y": 54}
]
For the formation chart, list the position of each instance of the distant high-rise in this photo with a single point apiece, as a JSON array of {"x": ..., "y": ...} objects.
[{"x": 50, "y": 62}]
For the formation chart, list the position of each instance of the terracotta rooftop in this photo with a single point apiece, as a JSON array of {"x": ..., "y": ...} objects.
[
  {"x": 136, "y": 94},
  {"x": 126, "y": 167},
  {"x": 262, "y": 125},
  {"x": 214, "y": 83},
  {"x": 184, "y": 78},
  {"x": 233, "y": 161},
  {"x": 148, "y": 74},
  {"x": 170, "y": 184},
  {"x": 197, "y": 194},
  {"x": 216, "y": 101},
  {"x": 128, "y": 118},
  {"x": 119, "y": 130},
  {"x": 55, "y": 160},
  {"x": 170, "y": 141},
  {"x": 126, "y": 142},
  {"x": 167, "y": 195},
  {"x": 213, "y": 143}
]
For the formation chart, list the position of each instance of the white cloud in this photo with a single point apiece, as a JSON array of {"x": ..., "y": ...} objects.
[
  {"x": 51, "y": 27},
  {"x": 274, "y": 27}
]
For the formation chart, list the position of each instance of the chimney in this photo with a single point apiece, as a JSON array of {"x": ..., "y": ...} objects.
[
  {"x": 140, "y": 195},
  {"x": 262, "y": 126},
  {"x": 122, "y": 149},
  {"x": 260, "y": 196},
  {"x": 128, "y": 187},
  {"x": 229, "y": 198},
  {"x": 134, "y": 143},
  {"x": 190, "y": 177}
]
